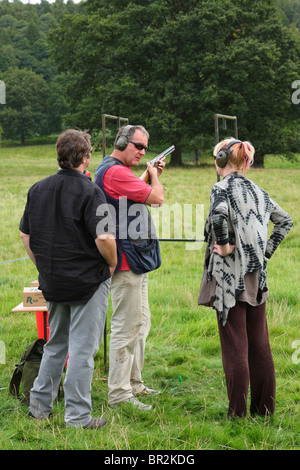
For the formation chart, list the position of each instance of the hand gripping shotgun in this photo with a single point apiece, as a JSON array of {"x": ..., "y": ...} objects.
[{"x": 145, "y": 176}]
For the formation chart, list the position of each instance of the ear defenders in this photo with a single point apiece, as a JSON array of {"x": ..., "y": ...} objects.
[
  {"x": 223, "y": 154},
  {"x": 122, "y": 140}
]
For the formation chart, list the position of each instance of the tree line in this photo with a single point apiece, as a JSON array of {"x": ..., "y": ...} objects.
[
  {"x": 167, "y": 64},
  {"x": 36, "y": 99}
]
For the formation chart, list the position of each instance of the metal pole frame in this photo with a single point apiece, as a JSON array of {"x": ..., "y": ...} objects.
[
  {"x": 119, "y": 119},
  {"x": 110, "y": 116},
  {"x": 224, "y": 117}
]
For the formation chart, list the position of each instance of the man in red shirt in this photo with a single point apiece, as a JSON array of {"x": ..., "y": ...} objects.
[{"x": 130, "y": 323}]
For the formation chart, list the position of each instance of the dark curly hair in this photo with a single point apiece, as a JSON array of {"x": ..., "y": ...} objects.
[{"x": 71, "y": 146}]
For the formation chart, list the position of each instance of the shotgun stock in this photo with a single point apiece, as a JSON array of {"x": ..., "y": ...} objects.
[{"x": 145, "y": 176}]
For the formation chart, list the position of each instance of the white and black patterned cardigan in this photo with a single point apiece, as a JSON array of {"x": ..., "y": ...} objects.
[{"x": 239, "y": 213}]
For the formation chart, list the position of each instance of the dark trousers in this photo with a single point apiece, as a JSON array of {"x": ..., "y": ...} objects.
[{"x": 246, "y": 356}]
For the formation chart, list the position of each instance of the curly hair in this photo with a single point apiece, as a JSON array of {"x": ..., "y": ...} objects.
[{"x": 71, "y": 146}]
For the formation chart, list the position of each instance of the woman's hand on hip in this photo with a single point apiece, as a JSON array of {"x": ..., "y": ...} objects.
[{"x": 223, "y": 250}]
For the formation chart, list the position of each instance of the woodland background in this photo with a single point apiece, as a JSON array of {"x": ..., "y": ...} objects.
[
  {"x": 166, "y": 64},
  {"x": 169, "y": 65}
]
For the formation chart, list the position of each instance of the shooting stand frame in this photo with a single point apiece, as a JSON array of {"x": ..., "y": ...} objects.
[
  {"x": 119, "y": 119},
  {"x": 110, "y": 116},
  {"x": 224, "y": 117}
]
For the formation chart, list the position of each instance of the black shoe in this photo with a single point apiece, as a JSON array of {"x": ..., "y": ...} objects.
[
  {"x": 40, "y": 419},
  {"x": 95, "y": 423}
]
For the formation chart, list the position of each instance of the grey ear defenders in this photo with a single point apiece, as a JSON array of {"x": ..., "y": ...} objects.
[
  {"x": 123, "y": 140},
  {"x": 223, "y": 154}
]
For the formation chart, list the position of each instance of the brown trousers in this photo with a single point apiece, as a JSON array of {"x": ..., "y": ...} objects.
[{"x": 246, "y": 355}]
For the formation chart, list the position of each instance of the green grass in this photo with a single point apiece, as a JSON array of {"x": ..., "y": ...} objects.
[{"x": 183, "y": 356}]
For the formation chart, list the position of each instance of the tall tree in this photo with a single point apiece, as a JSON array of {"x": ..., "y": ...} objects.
[
  {"x": 172, "y": 64},
  {"x": 24, "y": 113},
  {"x": 23, "y": 46}
]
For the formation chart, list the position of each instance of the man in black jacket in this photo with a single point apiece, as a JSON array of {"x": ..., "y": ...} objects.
[{"x": 75, "y": 264}]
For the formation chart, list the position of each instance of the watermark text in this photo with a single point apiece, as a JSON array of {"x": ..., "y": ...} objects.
[
  {"x": 133, "y": 221},
  {"x": 295, "y": 95},
  {"x": 296, "y": 354},
  {"x": 2, "y": 353},
  {"x": 2, "y": 92}
]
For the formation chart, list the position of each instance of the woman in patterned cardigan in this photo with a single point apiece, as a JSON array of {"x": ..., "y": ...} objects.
[{"x": 234, "y": 278}]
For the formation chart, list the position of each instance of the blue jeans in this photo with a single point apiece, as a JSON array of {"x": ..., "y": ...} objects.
[{"x": 77, "y": 330}]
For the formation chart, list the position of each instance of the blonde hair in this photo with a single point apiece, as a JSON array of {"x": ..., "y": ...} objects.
[{"x": 241, "y": 154}]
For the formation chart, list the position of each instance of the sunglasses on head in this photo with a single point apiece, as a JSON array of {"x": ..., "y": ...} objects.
[{"x": 139, "y": 146}]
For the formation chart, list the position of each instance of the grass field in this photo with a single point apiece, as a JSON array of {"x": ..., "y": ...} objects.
[{"x": 183, "y": 357}]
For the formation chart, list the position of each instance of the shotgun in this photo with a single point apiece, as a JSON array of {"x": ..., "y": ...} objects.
[{"x": 145, "y": 176}]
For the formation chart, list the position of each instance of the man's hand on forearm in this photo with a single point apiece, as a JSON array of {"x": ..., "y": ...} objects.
[
  {"x": 107, "y": 247},
  {"x": 26, "y": 243}
]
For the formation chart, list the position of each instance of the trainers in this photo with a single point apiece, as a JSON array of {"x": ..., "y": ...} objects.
[
  {"x": 146, "y": 392},
  {"x": 141, "y": 406},
  {"x": 95, "y": 423}
]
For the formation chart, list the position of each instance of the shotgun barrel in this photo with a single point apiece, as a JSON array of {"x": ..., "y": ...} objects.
[{"x": 145, "y": 176}]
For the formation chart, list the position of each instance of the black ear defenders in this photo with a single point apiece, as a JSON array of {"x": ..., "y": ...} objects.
[
  {"x": 223, "y": 154},
  {"x": 122, "y": 140}
]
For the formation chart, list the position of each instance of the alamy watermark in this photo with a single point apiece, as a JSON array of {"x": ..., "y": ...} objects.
[
  {"x": 175, "y": 222},
  {"x": 2, "y": 92},
  {"x": 295, "y": 95},
  {"x": 296, "y": 354},
  {"x": 2, "y": 353}
]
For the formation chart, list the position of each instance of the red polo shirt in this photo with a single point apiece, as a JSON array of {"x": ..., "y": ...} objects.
[{"x": 119, "y": 181}]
